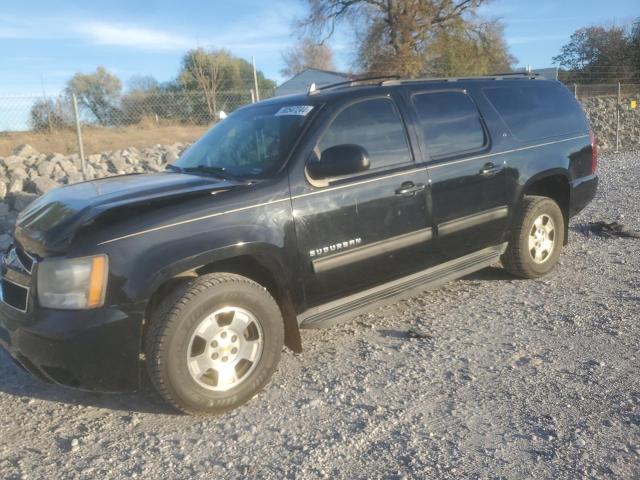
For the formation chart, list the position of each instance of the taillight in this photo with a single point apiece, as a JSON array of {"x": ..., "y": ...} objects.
[{"x": 594, "y": 151}]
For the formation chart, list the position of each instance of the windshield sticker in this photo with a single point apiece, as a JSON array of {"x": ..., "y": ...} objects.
[{"x": 302, "y": 110}]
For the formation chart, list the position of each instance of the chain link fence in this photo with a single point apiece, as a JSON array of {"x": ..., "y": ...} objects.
[
  {"x": 139, "y": 119},
  {"x": 142, "y": 119},
  {"x": 614, "y": 113}
]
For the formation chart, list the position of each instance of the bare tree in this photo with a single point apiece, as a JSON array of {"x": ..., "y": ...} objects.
[
  {"x": 306, "y": 54},
  {"x": 207, "y": 71},
  {"x": 397, "y": 33}
]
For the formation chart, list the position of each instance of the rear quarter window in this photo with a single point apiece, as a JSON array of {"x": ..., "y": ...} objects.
[{"x": 535, "y": 111}]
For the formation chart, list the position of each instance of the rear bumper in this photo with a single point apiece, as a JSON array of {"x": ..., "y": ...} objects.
[
  {"x": 583, "y": 190},
  {"x": 96, "y": 350}
]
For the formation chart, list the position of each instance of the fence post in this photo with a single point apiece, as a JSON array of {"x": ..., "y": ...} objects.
[
  {"x": 618, "y": 121},
  {"x": 255, "y": 78},
  {"x": 575, "y": 90},
  {"x": 79, "y": 134},
  {"x": 253, "y": 96}
]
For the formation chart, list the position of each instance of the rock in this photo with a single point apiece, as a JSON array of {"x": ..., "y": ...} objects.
[
  {"x": 22, "y": 201},
  {"x": 5, "y": 242},
  {"x": 3, "y": 190},
  {"x": 118, "y": 163},
  {"x": 75, "y": 177},
  {"x": 58, "y": 174},
  {"x": 4, "y": 209},
  {"x": 45, "y": 169},
  {"x": 44, "y": 184},
  {"x": 15, "y": 186},
  {"x": 18, "y": 172},
  {"x": 13, "y": 161},
  {"x": 25, "y": 150},
  {"x": 170, "y": 156},
  {"x": 68, "y": 166}
]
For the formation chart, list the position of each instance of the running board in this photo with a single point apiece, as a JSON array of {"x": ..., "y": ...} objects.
[{"x": 353, "y": 305}]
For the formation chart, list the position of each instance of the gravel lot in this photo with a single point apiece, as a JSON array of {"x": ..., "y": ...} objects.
[{"x": 510, "y": 379}]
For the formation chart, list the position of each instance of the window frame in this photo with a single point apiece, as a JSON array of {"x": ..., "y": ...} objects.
[
  {"x": 372, "y": 171},
  {"x": 456, "y": 155}
]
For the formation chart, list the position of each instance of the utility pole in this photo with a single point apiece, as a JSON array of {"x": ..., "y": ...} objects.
[
  {"x": 79, "y": 134},
  {"x": 255, "y": 78}
]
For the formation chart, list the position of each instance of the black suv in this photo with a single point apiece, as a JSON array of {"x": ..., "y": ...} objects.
[{"x": 297, "y": 211}]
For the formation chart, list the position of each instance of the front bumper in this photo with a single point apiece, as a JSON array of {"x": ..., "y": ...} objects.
[{"x": 95, "y": 350}]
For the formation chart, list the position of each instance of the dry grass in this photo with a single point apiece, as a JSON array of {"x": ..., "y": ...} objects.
[{"x": 100, "y": 139}]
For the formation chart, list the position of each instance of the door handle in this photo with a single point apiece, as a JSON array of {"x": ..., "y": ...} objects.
[
  {"x": 409, "y": 189},
  {"x": 490, "y": 168}
]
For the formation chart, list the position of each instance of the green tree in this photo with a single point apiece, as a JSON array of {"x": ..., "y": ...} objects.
[
  {"x": 98, "y": 93},
  {"x": 599, "y": 54}
]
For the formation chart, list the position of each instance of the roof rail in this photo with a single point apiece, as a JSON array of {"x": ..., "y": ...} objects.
[
  {"x": 385, "y": 80},
  {"x": 354, "y": 82},
  {"x": 499, "y": 76}
]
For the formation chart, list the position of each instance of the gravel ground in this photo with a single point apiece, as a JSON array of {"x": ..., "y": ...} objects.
[{"x": 507, "y": 379}]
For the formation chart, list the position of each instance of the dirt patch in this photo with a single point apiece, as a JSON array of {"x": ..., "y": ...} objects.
[{"x": 100, "y": 139}]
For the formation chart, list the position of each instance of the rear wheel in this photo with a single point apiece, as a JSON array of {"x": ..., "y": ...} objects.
[
  {"x": 214, "y": 343},
  {"x": 537, "y": 238}
]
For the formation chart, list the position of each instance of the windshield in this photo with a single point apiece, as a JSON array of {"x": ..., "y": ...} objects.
[{"x": 252, "y": 142}]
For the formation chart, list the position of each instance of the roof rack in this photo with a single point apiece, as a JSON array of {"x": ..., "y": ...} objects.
[
  {"x": 498, "y": 76},
  {"x": 387, "y": 80},
  {"x": 354, "y": 82}
]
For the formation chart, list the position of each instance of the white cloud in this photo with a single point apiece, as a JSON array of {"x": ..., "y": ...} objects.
[{"x": 124, "y": 35}]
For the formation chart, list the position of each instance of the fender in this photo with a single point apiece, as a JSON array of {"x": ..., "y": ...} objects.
[{"x": 529, "y": 187}]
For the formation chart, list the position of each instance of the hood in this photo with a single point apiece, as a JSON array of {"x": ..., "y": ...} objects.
[{"x": 50, "y": 222}]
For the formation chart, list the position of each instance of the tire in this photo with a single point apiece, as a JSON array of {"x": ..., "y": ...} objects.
[
  {"x": 523, "y": 261},
  {"x": 196, "y": 344}
]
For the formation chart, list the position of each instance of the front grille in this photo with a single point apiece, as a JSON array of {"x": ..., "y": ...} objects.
[
  {"x": 25, "y": 259},
  {"x": 14, "y": 295},
  {"x": 15, "y": 271}
]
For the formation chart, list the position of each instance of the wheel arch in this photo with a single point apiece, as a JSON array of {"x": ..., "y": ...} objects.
[
  {"x": 256, "y": 262},
  {"x": 554, "y": 184}
]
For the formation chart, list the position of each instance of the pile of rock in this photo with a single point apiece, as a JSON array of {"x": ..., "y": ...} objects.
[
  {"x": 27, "y": 173},
  {"x": 602, "y": 115}
]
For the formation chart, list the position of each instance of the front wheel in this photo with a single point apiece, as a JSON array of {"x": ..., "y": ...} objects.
[
  {"x": 537, "y": 238},
  {"x": 214, "y": 343}
]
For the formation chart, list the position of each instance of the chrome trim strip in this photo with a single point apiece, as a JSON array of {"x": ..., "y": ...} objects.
[
  {"x": 473, "y": 220},
  {"x": 33, "y": 260},
  {"x": 26, "y": 306},
  {"x": 184, "y": 222},
  {"x": 350, "y": 306},
  {"x": 488, "y": 155},
  {"x": 347, "y": 257},
  {"x": 295, "y": 197},
  {"x": 362, "y": 182}
]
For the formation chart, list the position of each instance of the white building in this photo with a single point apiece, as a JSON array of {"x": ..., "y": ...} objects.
[{"x": 301, "y": 82}]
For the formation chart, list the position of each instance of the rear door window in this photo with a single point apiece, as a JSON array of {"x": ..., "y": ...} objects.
[
  {"x": 537, "y": 110},
  {"x": 375, "y": 125},
  {"x": 450, "y": 123}
]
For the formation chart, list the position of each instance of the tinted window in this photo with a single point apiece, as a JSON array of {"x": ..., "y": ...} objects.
[
  {"x": 374, "y": 125},
  {"x": 450, "y": 122},
  {"x": 537, "y": 110}
]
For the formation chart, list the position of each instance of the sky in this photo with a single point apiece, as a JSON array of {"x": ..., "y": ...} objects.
[{"x": 44, "y": 42}]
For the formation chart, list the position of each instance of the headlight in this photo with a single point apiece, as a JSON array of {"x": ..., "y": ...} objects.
[{"x": 73, "y": 284}]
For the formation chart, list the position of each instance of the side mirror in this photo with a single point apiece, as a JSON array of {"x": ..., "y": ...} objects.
[{"x": 338, "y": 161}]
